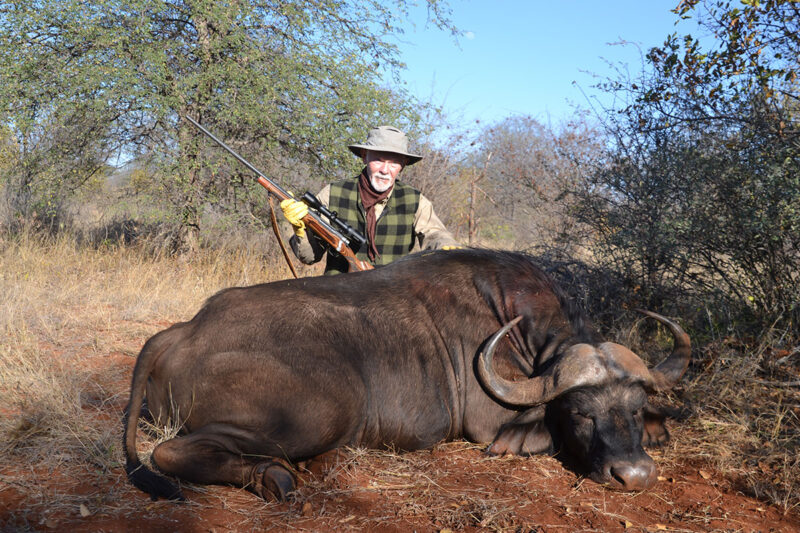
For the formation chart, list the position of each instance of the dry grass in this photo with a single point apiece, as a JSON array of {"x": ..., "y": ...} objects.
[
  {"x": 745, "y": 420},
  {"x": 73, "y": 318},
  {"x": 424, "y": 484},
  {"x": 68, "y": 315}
]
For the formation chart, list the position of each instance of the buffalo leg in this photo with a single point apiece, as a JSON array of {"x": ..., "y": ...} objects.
[
  {"x": 206, "y": 458},
  {"x": 527, "y": 439},
  {"x": 527, "y": 434}
]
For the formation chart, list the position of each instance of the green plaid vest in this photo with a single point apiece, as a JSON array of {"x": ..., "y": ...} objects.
[{"x": 394, "y": 233}]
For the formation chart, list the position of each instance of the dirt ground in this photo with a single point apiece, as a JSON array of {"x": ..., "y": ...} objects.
[{"x": 453, "y": 487}]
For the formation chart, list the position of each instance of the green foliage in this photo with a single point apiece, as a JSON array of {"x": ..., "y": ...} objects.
[
  {"x": 755, "y": 51},
  {"x": 291, "y": 80}
]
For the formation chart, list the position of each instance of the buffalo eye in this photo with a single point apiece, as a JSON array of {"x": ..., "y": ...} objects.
[{"x": 581, "y": 417}]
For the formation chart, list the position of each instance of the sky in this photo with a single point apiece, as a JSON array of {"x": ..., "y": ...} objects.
[{"x": 530, "y": 57}]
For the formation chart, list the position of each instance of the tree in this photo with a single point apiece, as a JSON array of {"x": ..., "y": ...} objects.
[
  {"x": 698, "y": 192},
  {"x": 755, "y": 54},
  {"x": 529, "y": 169},
  {"x": 290, "y": 79}
]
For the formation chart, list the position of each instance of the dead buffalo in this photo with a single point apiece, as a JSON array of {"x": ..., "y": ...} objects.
[{"x": 438, "y": 346}]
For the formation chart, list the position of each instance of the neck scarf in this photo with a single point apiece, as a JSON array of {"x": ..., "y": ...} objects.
[{"x": 369, "y": 198}]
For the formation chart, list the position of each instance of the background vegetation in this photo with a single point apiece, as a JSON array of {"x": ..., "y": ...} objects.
[{"x": 683, "y": 199}]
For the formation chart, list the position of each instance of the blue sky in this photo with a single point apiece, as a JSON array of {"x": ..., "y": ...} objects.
[{"x": 530, "y": 57}]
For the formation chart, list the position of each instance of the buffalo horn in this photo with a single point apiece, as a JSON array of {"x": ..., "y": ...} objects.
[
  {"x": 531, "y": 392},
  {"x": 669, "y": 371}
]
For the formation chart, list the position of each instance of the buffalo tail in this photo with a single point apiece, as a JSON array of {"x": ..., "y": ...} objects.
[{"x": 156, "y": 485}]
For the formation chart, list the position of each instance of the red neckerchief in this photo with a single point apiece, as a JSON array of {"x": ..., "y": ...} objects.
[{"x": 369, "y": 197}]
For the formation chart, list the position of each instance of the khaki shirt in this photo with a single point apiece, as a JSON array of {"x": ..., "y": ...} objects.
[{"x": 429, "y": 231}]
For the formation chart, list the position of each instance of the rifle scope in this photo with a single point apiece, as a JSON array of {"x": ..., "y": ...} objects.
[{"x": 353, "y": 235}]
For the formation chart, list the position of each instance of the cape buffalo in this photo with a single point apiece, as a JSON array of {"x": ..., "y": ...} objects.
[{"x": 473, "y": 344}]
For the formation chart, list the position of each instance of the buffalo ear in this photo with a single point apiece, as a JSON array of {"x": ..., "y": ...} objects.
[
  {"x": 525, "y": 435},
  {"x": 655, "y": 428}
]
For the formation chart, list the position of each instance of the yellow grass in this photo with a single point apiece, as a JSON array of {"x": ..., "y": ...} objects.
[{"x": 65, "y": 309}]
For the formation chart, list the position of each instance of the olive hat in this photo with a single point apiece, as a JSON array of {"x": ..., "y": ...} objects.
[{"x": 386, "y": 139}]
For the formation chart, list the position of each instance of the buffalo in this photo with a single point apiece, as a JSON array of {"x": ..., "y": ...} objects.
[{"x": 463, "y": 344}]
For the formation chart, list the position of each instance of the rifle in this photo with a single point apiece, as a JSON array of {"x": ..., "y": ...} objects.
[{"x": 342, "y": 239}]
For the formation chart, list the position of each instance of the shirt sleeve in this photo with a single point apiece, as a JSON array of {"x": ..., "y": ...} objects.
[
  {"x": 309, "y": 249},
  {"x": 430, "y": 231}
]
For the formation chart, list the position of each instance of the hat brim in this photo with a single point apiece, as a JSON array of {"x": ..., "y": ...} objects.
[{"x": 357, "y": 149}]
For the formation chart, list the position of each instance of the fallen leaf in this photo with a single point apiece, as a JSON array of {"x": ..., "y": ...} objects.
[
  {"x": 661, "y": 527},
  {"x": 307, "y": 510},
  {"x": 628, "y": 524},
  {"x": 704, "y": 474},
  {"x": 445, "y": 530},
  {"x": 345, "y": 520},
  {"x": 84, "y": 510}
]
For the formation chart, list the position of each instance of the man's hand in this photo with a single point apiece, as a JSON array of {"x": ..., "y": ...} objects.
[{"x": 294, "y": 212}]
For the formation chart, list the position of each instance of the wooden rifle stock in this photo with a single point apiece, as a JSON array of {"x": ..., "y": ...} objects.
[{"x": 314, "y": 222}]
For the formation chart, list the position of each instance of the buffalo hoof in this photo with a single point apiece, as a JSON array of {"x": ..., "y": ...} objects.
[
  {"x": 655, "y": 429},
  {"x": 273, "y": 481}
]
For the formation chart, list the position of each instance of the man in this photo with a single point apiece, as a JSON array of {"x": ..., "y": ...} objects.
[{"x": 395, "y": 218}]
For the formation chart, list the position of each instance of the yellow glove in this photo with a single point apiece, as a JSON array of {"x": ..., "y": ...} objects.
[
  {"x": 294, "y": 212},
  {"x": 452, "y": 247}
]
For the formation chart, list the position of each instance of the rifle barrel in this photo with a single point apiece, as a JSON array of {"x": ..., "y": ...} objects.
[
  {"x": 337, "y": 236},
  {"x": 241, "y": 159}
]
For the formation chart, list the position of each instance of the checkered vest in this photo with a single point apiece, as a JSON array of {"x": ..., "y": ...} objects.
[{"x": 394, "y": 233}]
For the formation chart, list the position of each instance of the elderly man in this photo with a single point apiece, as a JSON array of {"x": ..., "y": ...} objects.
[{"x": 396, "y": 218}]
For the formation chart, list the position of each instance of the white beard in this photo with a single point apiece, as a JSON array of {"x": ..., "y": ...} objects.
[{"x": 380, "y": 187}]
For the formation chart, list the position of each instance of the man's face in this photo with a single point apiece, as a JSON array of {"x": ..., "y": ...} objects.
[{"x": 383, "y": 169}]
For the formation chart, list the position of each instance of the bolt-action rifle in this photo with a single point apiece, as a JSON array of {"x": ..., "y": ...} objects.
[{"x": 338, "y": 234}]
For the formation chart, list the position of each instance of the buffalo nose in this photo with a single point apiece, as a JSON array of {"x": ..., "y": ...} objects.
[{"x": 632, "y": 476}]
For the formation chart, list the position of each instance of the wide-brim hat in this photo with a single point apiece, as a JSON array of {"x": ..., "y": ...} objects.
[{"x": 386, "y": 139}]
